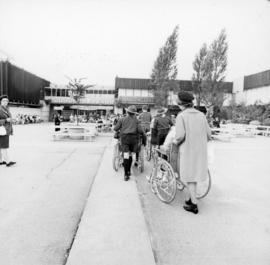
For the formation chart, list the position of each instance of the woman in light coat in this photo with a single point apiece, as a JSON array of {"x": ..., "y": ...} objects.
[
  {"x": 6, "y": 122},
  {"x": 192, "y": 134}
]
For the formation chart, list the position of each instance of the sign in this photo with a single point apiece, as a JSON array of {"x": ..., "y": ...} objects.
[{"x": 58, "y": 107}]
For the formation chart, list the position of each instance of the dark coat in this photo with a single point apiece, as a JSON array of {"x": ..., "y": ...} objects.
[{"x": 4, "y": 114}]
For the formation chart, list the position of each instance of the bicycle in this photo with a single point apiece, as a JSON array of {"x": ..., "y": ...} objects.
[
  {"x": 148, "y": 148},
  {"x": 165, "y": 180},
  {"x": 118, "y": 159}
]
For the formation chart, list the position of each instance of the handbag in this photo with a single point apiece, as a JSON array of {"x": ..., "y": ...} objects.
[{"x": 3, "y": 131}]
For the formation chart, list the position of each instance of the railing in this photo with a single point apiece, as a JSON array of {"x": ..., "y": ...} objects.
[{"x": 242, "y": 130}]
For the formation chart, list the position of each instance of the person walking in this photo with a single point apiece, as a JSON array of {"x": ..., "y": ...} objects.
[
  {"x": 192, "y": 134},
  {"x": 130, "y": 129},
  {"x": 145, "y": 119},
  {"x": 6, "y": 131},
  {"x": 57, "y": 121},
  {"x": 162, "y": 125}
]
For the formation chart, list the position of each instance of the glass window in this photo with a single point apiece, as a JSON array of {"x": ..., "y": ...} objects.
[
  {"x": 129, "y": 92},
  {"x": 144, "y": 93},
  {"x": 137, "y": 93}
]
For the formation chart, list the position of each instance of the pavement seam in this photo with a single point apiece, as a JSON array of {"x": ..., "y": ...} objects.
[
  {"x": 149, "y": 230},
  {"x": 60, "y": 164},
  {"x": 66, "y": 256}
]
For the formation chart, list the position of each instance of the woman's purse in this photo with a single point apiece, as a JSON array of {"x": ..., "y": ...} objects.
[{"x": 3, "y": 131}]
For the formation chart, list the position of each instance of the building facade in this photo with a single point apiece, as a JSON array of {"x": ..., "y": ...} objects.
[
  {"x": 24, "y": 89},
  {"x": 252, "y": 89},
  {"x": 134, "y": 91},
  {"x": 98, "y": 99}
]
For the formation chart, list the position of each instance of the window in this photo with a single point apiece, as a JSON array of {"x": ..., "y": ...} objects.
[{"x": 129, "y": 92}]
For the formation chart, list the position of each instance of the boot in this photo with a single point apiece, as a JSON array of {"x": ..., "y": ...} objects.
[
  {"x": 191, "y": 208},
  {"x": 188, "y": 202},
  {"x": 126, "y": 169},
  {"x": 129, "y": 165},
  {"x": 11, "y": 163}
]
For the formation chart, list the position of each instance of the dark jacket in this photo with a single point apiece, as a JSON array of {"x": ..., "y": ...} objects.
[
  {"x": 128, "y": 125},
  {"x": 4, "y": 114},
  {"x": 162, "y": 124}
]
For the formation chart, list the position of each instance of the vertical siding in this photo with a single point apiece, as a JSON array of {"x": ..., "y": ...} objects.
[{"x": 20, "y": 85}]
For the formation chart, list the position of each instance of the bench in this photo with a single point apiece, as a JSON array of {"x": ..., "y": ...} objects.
[
  {"x": 221, "y": 134},
  {"x": 73, "y": 132}
]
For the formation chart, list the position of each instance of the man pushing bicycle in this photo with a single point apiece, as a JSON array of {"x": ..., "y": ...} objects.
[{"x": 130, "y": 129}]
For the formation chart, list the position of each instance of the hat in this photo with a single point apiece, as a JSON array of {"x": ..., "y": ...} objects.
[
  {"x": 185, "y": 97},
  {"x": 2, "y": 97},
  {"x": 161, "y": 111},
  {"x": 132, "y": 109},
  {"x": 144, "y": 107}
]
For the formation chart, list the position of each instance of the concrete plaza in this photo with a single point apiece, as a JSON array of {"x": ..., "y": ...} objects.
[{"x": 63, "y": 204}]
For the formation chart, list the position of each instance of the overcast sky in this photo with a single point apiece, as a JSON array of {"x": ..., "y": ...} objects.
[{"x": 102, "y": 39}]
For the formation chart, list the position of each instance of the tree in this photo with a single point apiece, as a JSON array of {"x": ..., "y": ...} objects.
[
  {"x": 77, "y": 90},
  {"x": 165, "y": 69},
  {"x": 210, "y": 70},
  {"x": 200, "y": 74}
]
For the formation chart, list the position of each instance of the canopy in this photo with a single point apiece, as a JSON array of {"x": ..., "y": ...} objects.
[{"x": 84, "y": 107}]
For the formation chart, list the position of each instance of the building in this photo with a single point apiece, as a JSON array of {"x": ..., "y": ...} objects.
[
  {"x": 99, "y": 99},
  {"x": 135, "y": 91},
  {"x": 252, "y": 89},
  {"x": 24, "y": 89}
]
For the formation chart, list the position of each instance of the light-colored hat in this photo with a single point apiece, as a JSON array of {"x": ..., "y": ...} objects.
[
  {"x": 132, "y": 109},
  {"x": 161, "y": 111}
]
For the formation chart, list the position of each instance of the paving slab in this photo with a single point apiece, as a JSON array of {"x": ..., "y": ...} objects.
[
  {"x": 43, "y": 196},
  {"x": 112, "y": 230}
]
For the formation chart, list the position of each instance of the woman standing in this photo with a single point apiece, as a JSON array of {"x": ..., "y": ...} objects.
[
  {"x": 6, "y": 122},
  {"x": 192, "y": 134}
]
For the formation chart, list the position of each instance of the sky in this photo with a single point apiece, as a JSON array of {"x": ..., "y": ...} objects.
[{"x": 100, "y": 40}]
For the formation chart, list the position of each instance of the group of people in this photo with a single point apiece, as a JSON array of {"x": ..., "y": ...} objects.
[
  {"x": 191, "y": 133},
  {"x": 26, "y": 119}
]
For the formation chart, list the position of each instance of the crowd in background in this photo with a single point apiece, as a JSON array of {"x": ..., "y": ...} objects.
[{"x": 26, "y": 119}]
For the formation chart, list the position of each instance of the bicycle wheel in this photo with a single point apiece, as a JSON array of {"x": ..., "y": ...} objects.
[
  {"x": 165, "y": 182},
  {"x": 116, "y": 157},
  {"x": 203, "y": 187}
]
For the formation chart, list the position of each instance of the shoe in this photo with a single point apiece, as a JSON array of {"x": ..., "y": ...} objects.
[
  {"x": 188, "y": 202},
  {"x": 191, "y": 208},
  {"x": 11, "y": 163},
  {"x": 126, "y": 177},
  {"x": 2, "y": 163},
  {"x": 128, "y": 174}
]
